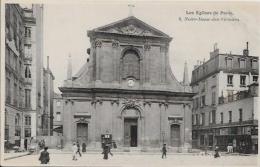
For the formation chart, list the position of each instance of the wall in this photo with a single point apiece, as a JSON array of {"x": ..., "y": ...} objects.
[
  {"x": 50, "y": 141},
  {"x": 247, "y": 105},
  {"x": 107, "y": 117}
]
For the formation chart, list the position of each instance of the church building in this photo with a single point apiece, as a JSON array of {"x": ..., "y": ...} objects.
[{"x": 126, "y": 89}]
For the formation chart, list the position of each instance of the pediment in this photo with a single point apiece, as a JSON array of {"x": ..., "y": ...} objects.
[{"x": 131, "y": 26}]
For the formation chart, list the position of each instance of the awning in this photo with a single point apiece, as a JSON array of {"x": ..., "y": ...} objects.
[{"x": 58, "y": 129}]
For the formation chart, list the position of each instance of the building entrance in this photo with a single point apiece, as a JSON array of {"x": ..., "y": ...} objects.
[
  {"x": 82, "y": 132},
  {"x": 175, "y": 135},
  {"x": 130, "y": 132}
]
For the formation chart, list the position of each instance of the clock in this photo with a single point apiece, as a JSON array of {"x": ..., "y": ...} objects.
[{"x": 131, "y": 82}]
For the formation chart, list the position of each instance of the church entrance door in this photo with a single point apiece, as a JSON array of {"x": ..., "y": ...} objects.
[
  {"x": 175, "y": 135},
  {"x": 130, "y": 132},
  {"x": 82, "y": 132}
]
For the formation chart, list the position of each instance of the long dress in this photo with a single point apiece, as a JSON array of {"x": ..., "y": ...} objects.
[{"x": 74, "y": 151}]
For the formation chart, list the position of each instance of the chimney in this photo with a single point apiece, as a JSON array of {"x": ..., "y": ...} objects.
[
  {"x": 48, "y": 63},
  {"x": 185, "y": 75},
  {"x": 246, "y": 51},
  {"x": 215, "y": 51},
  {"x": 69, "y": 70}
]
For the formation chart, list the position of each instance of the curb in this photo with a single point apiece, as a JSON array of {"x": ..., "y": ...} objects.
[{"x": 17, "y": 156}]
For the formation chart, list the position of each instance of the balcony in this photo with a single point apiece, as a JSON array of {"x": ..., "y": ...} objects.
[
  {"x": 238, "y": 96},
  {"x": 28, "y": 56},
  {"x": 27, "y": 40},
  {"x": 28, "y": 81}
]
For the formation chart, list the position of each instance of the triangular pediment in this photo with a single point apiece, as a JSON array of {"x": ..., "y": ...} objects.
[{"x": 131, "y": 26}]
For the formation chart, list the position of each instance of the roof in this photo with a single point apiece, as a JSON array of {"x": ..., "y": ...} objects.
[{"x": 131, "y": 26}]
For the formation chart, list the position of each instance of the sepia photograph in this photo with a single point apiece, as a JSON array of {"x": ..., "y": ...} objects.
[{"x": 129, "y": 83}]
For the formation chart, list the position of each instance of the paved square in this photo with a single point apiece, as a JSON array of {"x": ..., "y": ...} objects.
[{"x": 129, "y": 160}]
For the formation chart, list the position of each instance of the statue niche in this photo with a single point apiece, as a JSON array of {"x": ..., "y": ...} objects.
[{"x": 131, "y": 65}]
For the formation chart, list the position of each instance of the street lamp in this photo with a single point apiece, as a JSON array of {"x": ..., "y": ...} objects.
[{"x": 163, "y": 134}]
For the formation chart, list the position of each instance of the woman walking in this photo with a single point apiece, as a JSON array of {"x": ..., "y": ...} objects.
[{"x": 74, "y": 151}]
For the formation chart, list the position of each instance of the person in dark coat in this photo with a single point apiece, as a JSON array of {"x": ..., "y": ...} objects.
[
  {"x": 109, "y": 150},
  {"x": 216, "y": 155},
  {"x": 78, "y": 151},
  {"x": 44, "y": 157},
  {"x": 105, "y": 151},
  {"x": 164, "y": 150},
  {"x": 84, "y": 147}
]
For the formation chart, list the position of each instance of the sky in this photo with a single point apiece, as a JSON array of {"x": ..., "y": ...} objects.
[{"x": 66, "y": 25}]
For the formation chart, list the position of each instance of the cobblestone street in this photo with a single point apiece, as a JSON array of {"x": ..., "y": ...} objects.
[{"x": 136, "y": 160}]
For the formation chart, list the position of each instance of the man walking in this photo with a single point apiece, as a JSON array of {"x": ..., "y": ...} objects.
[
  {"x": 44, "y": 157},
  {"x": 105, "y": 151},
  {"x": 164, "y": 150},
  {"x": 78, "y": 151}
]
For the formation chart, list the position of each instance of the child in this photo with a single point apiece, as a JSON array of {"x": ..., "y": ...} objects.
[
  {"x": 216, "y": 155},
  {"x": 164, "y": 150}
]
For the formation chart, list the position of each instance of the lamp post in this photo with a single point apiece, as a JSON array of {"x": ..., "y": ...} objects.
[{"x": 163, "y": 134}]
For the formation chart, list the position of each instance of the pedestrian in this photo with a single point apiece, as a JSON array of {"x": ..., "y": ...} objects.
[
  {"x": 228, "y": 149},
  {"x": 164, "y": 150},
  {"x": 74, "y": 151},
  {"x": 109, "y": 150},
  {"x": 105, "y": 151},
  {"x": 216, "y": 155},
  {"x": 84, "y": 147},
  {"x": 44, "y": 157},
  {"x": 78, "y": 151}
]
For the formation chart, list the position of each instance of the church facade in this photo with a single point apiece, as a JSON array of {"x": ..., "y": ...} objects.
[{"x": 126, "y": 89}]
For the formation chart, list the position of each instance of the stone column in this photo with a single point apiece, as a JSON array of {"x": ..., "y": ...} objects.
[
  {"x": 67, "y": 124},
  {"x": 115, "y": 121},
  {"x": 115, "y": 45},
  {"x": 98, "y": 45},
  {"x": 98, "y": 115},
  {"x": 92, "y": 127},
  {"x": 187, "y": 127},
  {"x": 163, "y": 63},
  {"x": 146, "y": 62}
]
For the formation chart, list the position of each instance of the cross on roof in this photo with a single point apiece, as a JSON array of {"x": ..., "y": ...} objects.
[{"x": 131, "y": 6}]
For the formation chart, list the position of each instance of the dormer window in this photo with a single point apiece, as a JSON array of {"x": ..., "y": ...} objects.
[
  {"x": 242, "y": 63},
  {"x": 253, "y": 63},
  {"x": 228, "y": 62}
]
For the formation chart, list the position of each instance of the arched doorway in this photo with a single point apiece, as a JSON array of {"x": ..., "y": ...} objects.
[
  {"x": 131, "y": 125},
  {"x": 82, "y": 132},
  {"x": 130, "y": 132},
  {"x": 175, "y": 135}
]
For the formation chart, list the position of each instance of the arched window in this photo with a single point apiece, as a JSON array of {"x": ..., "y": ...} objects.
[
  {"x": 27, "y": 72},
  {"x": 131, "y": 65}
]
